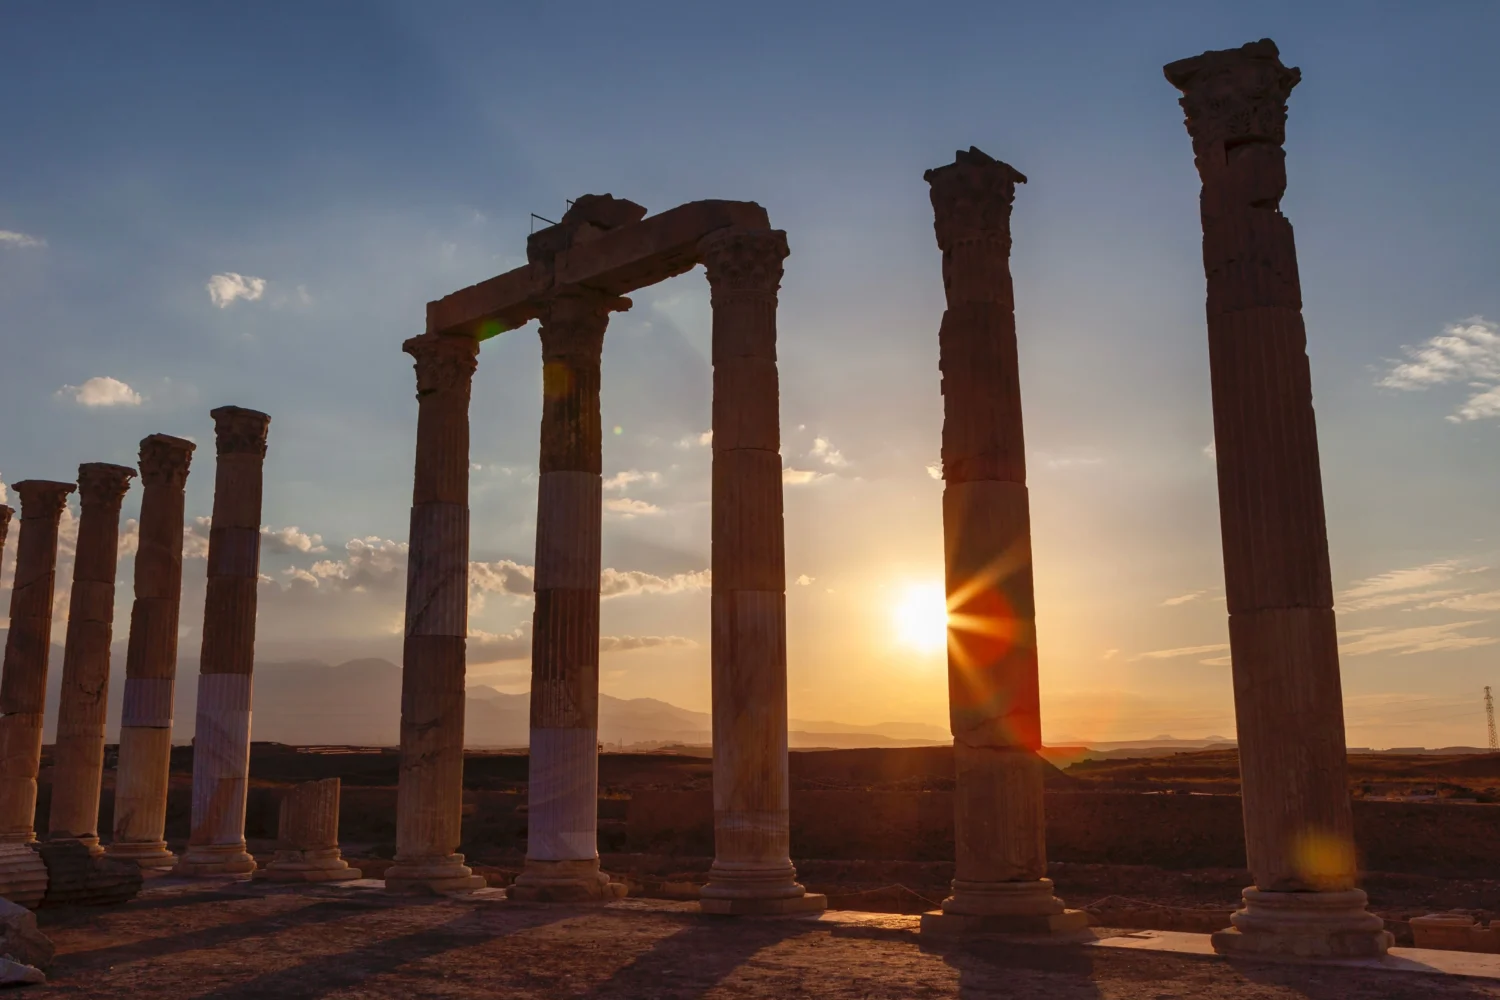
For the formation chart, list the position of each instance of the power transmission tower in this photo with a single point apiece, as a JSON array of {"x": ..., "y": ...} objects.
[{"x": 1489, "y": 714}]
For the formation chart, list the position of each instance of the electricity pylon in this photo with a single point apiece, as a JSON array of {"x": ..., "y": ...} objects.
[{"x": 1489, "y": 714}]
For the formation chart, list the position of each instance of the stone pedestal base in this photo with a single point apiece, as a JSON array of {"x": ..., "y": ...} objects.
[
  {"x": 437, "y": 874},
  {"x": 90, "y": 844},
  {"x": 308, "y": 866},
  {"x": 23, "y": 875},
  {"x": 202, "y": 860},
  {"x": 1304, "y": 925},
  {"x": 578, "y": 881},
  {"x": 736, "y": 889},
  {"x": 1003, "y": 908},
  {"x": 808, "y": 902},
  {"x": 151, "y": 855}
]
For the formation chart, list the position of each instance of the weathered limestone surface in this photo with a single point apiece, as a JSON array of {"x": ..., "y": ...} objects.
[
  {"x": 78, "y": 757},
  {"x": 562, "y": 858},
  {"x": 151, "y": 658},
  {"x": 308, "y": 837},
  {"x": 77, "y": 876},
  {"x": 429, "y": 799},
  {"x": 999, "y": 826},
  {"x": 1288, "y": 706},
  {"x": 23, "y": 685},
  {"x": 23, "y": 876},
  {"x": 752, "y": 870},
  {"x": 221, "y": 740},
  {"x": 20, "y": 939}
]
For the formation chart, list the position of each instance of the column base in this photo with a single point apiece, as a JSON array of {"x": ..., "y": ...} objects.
[
  {"x": 23, "y": 875},
  {"x": 736, "y": 889},
  {"x": 1304, "y": 925},
  {"x": 207, "y": 860},
  {"x": 440, "y": 873},
  {"x": 571, "y": 881},
  {"x": 90, "y": 844},
  {"x": 308, "y": 866},
  {"x": 151, "y": 855},
  {"x": 1003, "y": 908}
]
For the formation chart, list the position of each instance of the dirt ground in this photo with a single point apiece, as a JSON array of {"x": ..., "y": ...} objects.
[{"x": 180, "y": 941}]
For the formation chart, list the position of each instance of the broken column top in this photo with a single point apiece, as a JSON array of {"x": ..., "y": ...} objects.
[
  {"x": 588, "y": 218},
  {"x": 238, "y": 431},
  {"x": 103, "y": 483},
  {"x": 42, "y": 497},
  {"x": 165, "y": 460},
  {"x": 972, "y": 195},
  {"x": 1234, "y": 96}
]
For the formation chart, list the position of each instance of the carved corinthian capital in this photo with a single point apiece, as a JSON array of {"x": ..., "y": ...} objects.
[
  {"x": 6, "y": 513},
  {"x": 42, "y": 498},
  {"x": 165, "y": 460},
  {"x": 238, "y": 431},
  {"x": 444, "y": 362},
  {"x": 103, "y": 485},
  {"x": 574, "y": 320},
  {"x": 1233, "y": 97},
  {"x": 744, "y": 260},
  {"x": 972, "y": 198}
]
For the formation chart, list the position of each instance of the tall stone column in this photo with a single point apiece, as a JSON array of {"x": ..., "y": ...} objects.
[
  {"x": 5, "y": 515},
  {"x": 430, "y": 793},
  {"x": 752, "y": 870},
  {"x": 78, "y": 758},
  {"x": 562, "y": 856},
  {"x": 1000, "y": 877},
  {"x": 1288, "y": 705},
  {"x": 221, "y": 733},
  {"x": 151, "y": 658},
  {"x": 23, "y": 683}
]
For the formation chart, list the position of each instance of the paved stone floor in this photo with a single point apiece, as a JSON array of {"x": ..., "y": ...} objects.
[{"x": 221, "y": 941}]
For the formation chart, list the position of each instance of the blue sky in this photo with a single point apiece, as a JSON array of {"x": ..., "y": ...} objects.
[{"x": 341, "y": 164}]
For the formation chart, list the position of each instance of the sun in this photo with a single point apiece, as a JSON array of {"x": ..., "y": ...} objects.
[{"x": 921, "y": 616}]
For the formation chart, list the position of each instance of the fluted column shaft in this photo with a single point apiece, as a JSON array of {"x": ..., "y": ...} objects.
[
  {"x": 994, "y": 708},
  {"x": 151, "y": 658},
  {"x": 752, "y": 864},
  {"x": 429, "y": 801},
  {"x": 221, "y": 734},
  {"x": 1282, "y": 636},
  {"x": 23, "y": 684},
  {"x": 562, "y": 858},
  {"x": 78, "y": 758},
  {"x": 308, "y": 836}
]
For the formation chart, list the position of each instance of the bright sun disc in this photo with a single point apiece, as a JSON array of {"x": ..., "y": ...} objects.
[{"x": 922, "y": 617}]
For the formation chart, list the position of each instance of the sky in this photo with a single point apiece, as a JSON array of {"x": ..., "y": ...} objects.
[{"x": 251, "y": 204}]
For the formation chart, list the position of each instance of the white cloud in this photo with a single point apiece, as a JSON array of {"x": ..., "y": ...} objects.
[
  {"x": 1211, "y": 451},
  {"x": 623, "y": 479},
  {"x": 935, "y": 470},
  {"x": 1385, "y": 589},
  {"x": 626, "y": 583},
  {"x": 1467, "y": 352},
  {"x": 130, "y": 538},
  {"x": 1416, "y": 639},
  {"x": 800, "y": 477},
  {"x": 1172, "y": 602},
  {"x": 630, "y": 508},
  {"x": 627, "y": 643},
  {"x": 195, "y": 538},
  {"x": 1172, "y": 654},
  {"x": 696, "y": 440},
  {"x": 824, "y": 451},
  {"x": 503, "y": 576},
  {"x": 1486, "y": 601},
  {"x": 224, "y": 289},
  {"x": 10, "y": 238},
  {"x": 283, "y": 541},
  {"x": 492, "y": 647},
  {"x": 101, "y": 390},
  {"x": 804, "y": 580},
  {"x": 370, "y": 563}
]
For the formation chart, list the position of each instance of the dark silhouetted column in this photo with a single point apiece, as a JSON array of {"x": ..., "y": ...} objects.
[
  {"x": 151, "y": 658},
  {"x": 1000, "y": 840},
  {"x": 562, "y": 857},
  {"x": 221, "y": 733},
  {"x": 78, "y": 758},
  {"x": 752, "y": 870},
  {"x": 1288, "y": 707},
  {"x": 429, "y": 799}
]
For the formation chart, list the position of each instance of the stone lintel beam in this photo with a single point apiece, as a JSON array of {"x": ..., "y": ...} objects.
[{"x": 616, "y": 262}]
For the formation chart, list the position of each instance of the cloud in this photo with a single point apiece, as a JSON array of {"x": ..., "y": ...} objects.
[
  {"x": 800, "y": 477},
  {"x": 935, "y": 470},
  {"x": 503, "y": 576},
  {"x": 824, "y": 451},
  {"x": 1172, "y": 654},
  {"x": 627, "y": 643},
  {"x": 1467, "y": 352},
  {"x": 627, "y": 583},
  {"x": 493, "y": 647},
  {"x": 284, "y": 541},
  {"x": 369, "y": 563},
  {"x": 1385, "y": 589},
  {"x": 1486, "y": 601},
  {"x": 10, "y": 238},
  {"x": 804, "y": 580},
  {"x": 1211, "y": 451},
  {"x": 1172, "y": 602},
  {"x": 1415, "y": 639},
  {"x": 700, "y": 440},
  {"x": 629, "y": 507},
  {"x": 620, "y": 480},
  {"x": 1110, "y": 654},
  {"x": 195, "y": 538},
  {"x": 224, "y": 289},
  {"x": 101, "y": 390}
]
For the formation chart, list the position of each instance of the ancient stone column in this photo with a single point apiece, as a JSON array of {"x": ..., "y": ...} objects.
[
  {"x": 151, "y": 658},
  {"x": 752, "y": 870},
  {"x": 1000, "y": 847},
  {"x": 308, "y": 837},
  {"x": 429, "y": 797},
  {"x": 23, "y": 684},
  {"x": 78, "y": 758},
  {"x": 1288, "y": 705},
  {"x": 221, "y": 733},
  {"x": 562, "y": 857},
  {"x": 5, "y": 515}
]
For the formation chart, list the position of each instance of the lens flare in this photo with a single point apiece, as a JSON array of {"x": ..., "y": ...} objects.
[{"x": 921, "y": 616}]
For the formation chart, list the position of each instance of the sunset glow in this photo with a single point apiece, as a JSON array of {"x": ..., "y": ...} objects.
[{"x": 921, "y": 616}]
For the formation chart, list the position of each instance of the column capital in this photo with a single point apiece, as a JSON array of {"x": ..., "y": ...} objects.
[
  {"x": 238, "y": 431},
  {"x": 42, "y": 497},
  {"x": 574, "y": 319},
  {"x": 165, "y": 460},
  {"x": 1233, "y": 97},
  {"x": 444, "y": 362},
  {"x": 5, "y": 515},
  {"x": 103, "y": 484},
  {"x": 972, "y": 198},
  {"x": 744, "y": 260}
]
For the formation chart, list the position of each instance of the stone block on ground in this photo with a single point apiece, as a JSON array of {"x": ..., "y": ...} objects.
[
  {"x": 77, "y": 877},
  {"x": 23, "y": 876},
  {"x": 19, "y": 973},
  {"x": 20, "y": 939}
]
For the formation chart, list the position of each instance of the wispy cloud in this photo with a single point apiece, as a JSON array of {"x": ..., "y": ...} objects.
[
  {"x": 1393, "y": 588},
  {"x": 101, "y": 390},
  {"x": 1466, "y": 352},
  {"x": 804, "y": 580},
  {"x": 227, "y": 288},
  {"x": 1173, "y": 602},
  {"x": 628, "y": 583},
  {"x": 11, "y": 238},
  {"x": 625, "y": 478},
  {"x": 1172, "y": 654},
  {"x": 1414, "y": 639},
  {"x": 800, "y": 477},
  {"x": 935, "y": 470},
  {"x": 628, "y": 643},
  {"x": 627, "y": 507},
  {"x": 283, "y": 541},
  {"x": 824, "y": 451}
]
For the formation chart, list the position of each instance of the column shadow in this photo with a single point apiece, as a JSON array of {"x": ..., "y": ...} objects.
[
  {"x": 987, "y": 969},
  {"x": 689, "y": 963},
  {"x": 1333, "y": 982}
]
